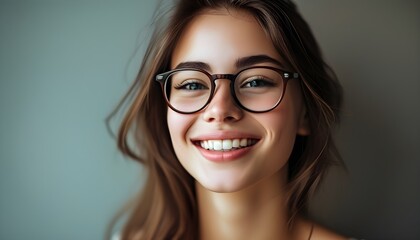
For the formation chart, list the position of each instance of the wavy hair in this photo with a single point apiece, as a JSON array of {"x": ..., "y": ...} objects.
[{"x": 166, "y": 207}]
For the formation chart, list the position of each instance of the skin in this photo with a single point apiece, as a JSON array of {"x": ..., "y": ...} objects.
[{"x": 237, "y": 198}]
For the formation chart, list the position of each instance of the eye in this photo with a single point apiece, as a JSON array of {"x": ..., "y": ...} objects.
[
  {"x": 257, "y": 82},
  {"x": 191, "y": 85}
]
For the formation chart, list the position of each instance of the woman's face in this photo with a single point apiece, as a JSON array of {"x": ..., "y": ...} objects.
[{"x": 219, "y": 39}]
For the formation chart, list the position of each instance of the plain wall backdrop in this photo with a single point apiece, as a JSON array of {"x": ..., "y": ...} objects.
[{"x": 64, "y": 65}]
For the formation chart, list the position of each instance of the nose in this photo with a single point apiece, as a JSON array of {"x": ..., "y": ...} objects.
[{"x": 222, "y": 107}]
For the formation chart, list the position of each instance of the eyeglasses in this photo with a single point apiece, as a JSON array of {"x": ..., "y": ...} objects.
[{"x": 256, "y": 89}]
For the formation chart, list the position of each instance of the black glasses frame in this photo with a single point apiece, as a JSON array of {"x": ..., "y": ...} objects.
[{"x": 163, "y": 77}]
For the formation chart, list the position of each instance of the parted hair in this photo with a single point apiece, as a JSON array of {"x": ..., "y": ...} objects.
[{"x": 166, "y": 207}]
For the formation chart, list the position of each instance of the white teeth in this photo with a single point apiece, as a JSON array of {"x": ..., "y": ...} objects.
[
  {"x": 217, "y": 145},
  {"x": 244, "y": 143},
  {"x": 226, "y": 144},
  {"x": 235, "y": 143}
]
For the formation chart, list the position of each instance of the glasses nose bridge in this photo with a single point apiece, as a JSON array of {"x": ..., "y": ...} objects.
[
  {"x": 230, "y": 77},
  {"x": 227, "y": 110}
]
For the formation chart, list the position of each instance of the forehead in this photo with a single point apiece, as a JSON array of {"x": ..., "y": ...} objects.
[{"x": 221, "y": 37}]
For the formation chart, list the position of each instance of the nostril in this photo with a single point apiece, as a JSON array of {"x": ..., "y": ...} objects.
[{"x": 229, "y": 118}]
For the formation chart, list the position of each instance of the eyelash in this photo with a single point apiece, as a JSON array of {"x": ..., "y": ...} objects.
[
  {"x": 259, "y": 79},
  {"x": 187, "y": 83}
]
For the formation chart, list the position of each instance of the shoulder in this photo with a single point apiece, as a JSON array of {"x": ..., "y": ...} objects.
[
  {"x": 316, "y": 231},
  {"x": 322, "y": 233}
]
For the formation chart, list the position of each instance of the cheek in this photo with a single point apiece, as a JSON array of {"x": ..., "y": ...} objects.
[
  {"x": 281, "y": 126},
  {"x": 282, "y": 120},
  {"x": 285, "y": 119},
  {"x": 178, "y": 125}
]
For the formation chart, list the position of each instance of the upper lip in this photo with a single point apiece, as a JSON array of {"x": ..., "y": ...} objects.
[{"x": 224, "y": 135}]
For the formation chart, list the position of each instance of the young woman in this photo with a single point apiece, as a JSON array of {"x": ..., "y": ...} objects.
[{"x": 231, "y": 114}]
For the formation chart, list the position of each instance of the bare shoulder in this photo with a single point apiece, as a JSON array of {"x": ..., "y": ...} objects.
[
  {"x": 313, "y": 231},
  {"x": 322, "y": 233}
]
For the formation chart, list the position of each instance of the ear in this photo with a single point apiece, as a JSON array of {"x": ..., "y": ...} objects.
[{"x": 303, "y": 127}]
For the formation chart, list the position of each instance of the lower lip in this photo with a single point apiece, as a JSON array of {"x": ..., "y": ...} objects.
[{"x": 227, "y": 156}]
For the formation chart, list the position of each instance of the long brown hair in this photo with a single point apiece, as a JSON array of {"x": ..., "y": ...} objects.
[{"x": 166, "y": 207}]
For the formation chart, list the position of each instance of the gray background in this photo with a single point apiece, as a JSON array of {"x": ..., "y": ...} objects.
[{"x": 64, "y": 65}]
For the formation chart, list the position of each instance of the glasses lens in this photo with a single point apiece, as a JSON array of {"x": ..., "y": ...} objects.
[
  {"x": 187, "y": 90},
  {"x": 259, "y": 89}
]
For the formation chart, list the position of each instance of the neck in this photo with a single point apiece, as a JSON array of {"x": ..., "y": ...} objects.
[{"x": 257, "y": 212}]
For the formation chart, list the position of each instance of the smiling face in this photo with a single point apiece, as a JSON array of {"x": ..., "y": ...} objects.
[{"x": 224, "y": 147}]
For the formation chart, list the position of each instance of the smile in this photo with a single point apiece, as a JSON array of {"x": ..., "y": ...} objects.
[{"x": 227, "y": 144}]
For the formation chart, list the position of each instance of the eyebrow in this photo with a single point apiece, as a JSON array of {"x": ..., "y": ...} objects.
[
  {"x": 240, "y": 63},
  {"x": 191, "y": 64},
  {"x": 253, "y": 60}
]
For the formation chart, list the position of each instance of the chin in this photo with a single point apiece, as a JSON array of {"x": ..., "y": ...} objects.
[
  {"x": 223, "y": 189},
  {"x": 224, "y": 185}
]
